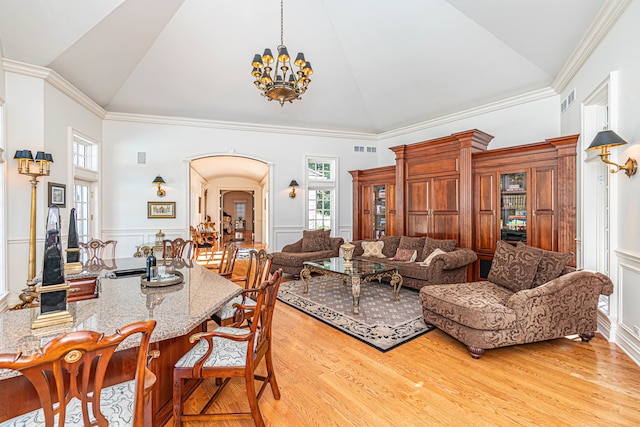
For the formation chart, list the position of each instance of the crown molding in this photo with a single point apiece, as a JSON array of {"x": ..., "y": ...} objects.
[
  {"x": 55, "y": 80},
  {"x": 600, "y": 27},
  {"x": 240, "y": 126},
  {"x": 472, "y": 112}
]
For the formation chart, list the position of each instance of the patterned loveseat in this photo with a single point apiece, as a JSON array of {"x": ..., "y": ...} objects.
[
  {"x": 530, "y": 296},
  {"x": 448, "y": 266},
  {"x": 315, "y": 244}
]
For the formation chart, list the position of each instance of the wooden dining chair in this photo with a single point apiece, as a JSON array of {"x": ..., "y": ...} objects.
[
  {"x": 178, "y": 248},
  {"x": 95, "y": 253},
  {"x": 228, "y": 260},
  {"x": 71, "y": 369},
  {"x": 204, "y": 243},
  {"x": 258, "y": 267},
  {"x": 228, "y": 352}
]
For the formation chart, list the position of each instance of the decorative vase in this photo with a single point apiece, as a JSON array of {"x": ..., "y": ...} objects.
[{"x": 347, "y": 253}]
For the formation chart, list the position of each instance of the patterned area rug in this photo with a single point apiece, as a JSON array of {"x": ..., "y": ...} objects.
[
  {"x": 383, "y": 323},
  {"x": 243, "y": 253}
]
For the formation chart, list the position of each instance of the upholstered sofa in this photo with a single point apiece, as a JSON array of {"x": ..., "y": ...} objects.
[
  {"x": 530, "y": 295},
  {"x": 314, "y": 244},
  {"x": 450, "y": 266}
]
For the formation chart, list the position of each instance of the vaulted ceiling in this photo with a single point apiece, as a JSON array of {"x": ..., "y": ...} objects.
[{"x": 378, "y": 65}]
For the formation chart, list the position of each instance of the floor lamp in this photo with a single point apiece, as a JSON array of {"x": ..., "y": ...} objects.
[{"x": 43, "y": 161}]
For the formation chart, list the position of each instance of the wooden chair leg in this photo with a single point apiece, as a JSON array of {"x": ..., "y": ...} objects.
[
  {"x": 271, "y": 375},
  {"x": 253, "y": 400},
  {"x": 177, "y": 402}
]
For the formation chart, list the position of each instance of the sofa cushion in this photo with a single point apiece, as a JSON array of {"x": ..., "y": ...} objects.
[
  {"x": 431, "y": 244},
  {"x": 514, "y": 268},
  {"x": 405, "y": 255},
  {"x": 314, "y": 240},
  {"x": 391, "y": 244},
  {"x": 478, "y": 305},
  {"x": 413, "y": 243},
  {"x": 550, "y": 266},
  {"x": 432, "y": 255},
  {"x": 373, "y": 249}
]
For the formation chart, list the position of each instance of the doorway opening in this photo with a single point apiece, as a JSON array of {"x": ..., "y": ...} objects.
[{"x": 227, "y": 191}]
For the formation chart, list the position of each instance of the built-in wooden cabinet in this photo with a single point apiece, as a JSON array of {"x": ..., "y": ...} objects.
[
  {"x": 454, "y": 188},
  {"x": 374, "y": 204},
  {"x": 524, "y": 194}
]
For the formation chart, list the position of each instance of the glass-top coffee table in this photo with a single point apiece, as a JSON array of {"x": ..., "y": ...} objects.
[{"x": 360, "y": 271}]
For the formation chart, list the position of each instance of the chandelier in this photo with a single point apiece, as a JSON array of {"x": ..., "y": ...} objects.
[{"x": 280, "y": 82}]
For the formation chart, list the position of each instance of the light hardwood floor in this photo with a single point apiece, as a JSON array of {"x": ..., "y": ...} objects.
[{"x": 328, "y": 378}]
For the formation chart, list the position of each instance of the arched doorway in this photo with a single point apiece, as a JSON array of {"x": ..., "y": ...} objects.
[{"x": 213, "y": 176}]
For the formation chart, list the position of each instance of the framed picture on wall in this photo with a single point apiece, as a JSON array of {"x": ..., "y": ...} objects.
[
  {"x": 161, "y": 209},
  {"x": 57, "y": 195}
]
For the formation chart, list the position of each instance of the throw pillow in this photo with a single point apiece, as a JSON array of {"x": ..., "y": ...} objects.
[
  {"x": 551, "y": 265},
  {"x": 405, "y": 255},
  {"x": 327, "y": 239},
  {"x": 413, "y": 243},
  {"x": 373, "y": 249},
  {"x": 432, "y": 255},
  {"x": 432, "y": 244},
  {"x": 313, "y": 240},
  {"x": 514, "y": 268},
  {"x": 391, "y": 244}
]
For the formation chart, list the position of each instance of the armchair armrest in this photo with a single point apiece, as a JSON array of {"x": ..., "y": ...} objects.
[
  {"x": 570, "y": 299},
  {"x": 450, "y": 267},
  {"x": 335, "y": 245},
  {"x": 293, "y": 247}
]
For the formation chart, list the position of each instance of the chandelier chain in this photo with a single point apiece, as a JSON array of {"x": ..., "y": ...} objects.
[{"x": 282, "y": 22}]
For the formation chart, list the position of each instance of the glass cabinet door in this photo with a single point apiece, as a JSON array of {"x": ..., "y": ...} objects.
[
  {"x": 513, "y": 207},
  {"x": 380, "y": 211}
]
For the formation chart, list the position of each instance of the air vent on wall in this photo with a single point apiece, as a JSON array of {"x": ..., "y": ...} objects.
[
  {"x": 358, "y": 148},
  {"x": 371, "y": 149},
  {"x": 566, "y": 103}
]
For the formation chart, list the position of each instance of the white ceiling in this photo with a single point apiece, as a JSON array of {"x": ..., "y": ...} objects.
[
  {"x": 378, "y": 65},
  {"x": 211, "y": 168}
]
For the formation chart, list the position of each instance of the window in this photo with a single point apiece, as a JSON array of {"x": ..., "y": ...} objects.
[
  {"x": 321, "y": 185},
  {"x": 82, "y": 203},
  {"x": 84, "y": 153},
  {"x": 85, "y": 181}
]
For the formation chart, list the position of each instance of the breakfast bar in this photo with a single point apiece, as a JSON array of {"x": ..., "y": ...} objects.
[{"x": 179, "y": 310}]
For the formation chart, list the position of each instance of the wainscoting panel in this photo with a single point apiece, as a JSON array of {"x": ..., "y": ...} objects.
[
  {"x": 284, "y": 236},
  {"x": 129, "y": 240},
  {"x": 628, "y": 330}
]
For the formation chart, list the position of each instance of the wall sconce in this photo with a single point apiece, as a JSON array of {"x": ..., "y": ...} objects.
[
  {"x": 293, "y": 184},
  {"x": 43, "y": 161},
  {"x": 158, "y": 180},
  {"x": 606, "y": 139}
]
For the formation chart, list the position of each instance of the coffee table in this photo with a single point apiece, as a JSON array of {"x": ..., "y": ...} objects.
[{"x": 358, "y": 272}]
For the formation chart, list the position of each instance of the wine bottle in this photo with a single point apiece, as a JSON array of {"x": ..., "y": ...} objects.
[{"x": 151, "y": 265}]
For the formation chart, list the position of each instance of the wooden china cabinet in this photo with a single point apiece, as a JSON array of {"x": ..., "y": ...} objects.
[
  {"x": 434, "y": 190},
  {"x": 525, "y": 194},
  {"x": 374, "y": 203}
]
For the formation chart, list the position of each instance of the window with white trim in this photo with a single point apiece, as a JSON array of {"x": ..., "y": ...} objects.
[
  {"x": 321, "y": 193},
  {"x": 85, "y": 182}
]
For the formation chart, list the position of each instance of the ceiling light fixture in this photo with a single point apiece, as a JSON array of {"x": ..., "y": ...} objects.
[{"x": 283, "y": 84}]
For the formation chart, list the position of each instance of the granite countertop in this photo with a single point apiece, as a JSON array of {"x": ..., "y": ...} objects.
[{"x": 178, "y": 309}]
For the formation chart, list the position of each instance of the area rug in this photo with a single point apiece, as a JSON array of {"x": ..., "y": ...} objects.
[
  {"x": 243, "y": 253},
  {"x": 383, "y": 323}
]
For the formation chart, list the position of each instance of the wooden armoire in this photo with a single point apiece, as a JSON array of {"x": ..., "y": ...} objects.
[{"x": 454, "y": 188}]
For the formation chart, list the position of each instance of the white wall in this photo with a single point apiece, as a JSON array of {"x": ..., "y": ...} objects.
[
  {"x": 38, "y": 118},
  {"x": 170, "y": 147},
  {"x": 519, "y": 124},
  {"x": 618, "y": 52}
]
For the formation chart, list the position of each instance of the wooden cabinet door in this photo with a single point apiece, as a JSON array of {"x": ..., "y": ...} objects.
[
  {"x": 444, "y": 207},
  {"x": 418, "y": 208},
  {"x": 543, "y": 231},
  {"x": 366, "y": 223},
  {"x": 487, "y": 190},
  {"x": 391, "y": 210}
]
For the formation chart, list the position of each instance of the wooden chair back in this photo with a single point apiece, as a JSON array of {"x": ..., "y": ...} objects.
[
  {"x": 258, "y": 268},
  {"x": 178, "y": 248},
  {"x": 96, "y": 250},
  {"x": 228, "y": 260},
  {"x": 73, "y": 365}
]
